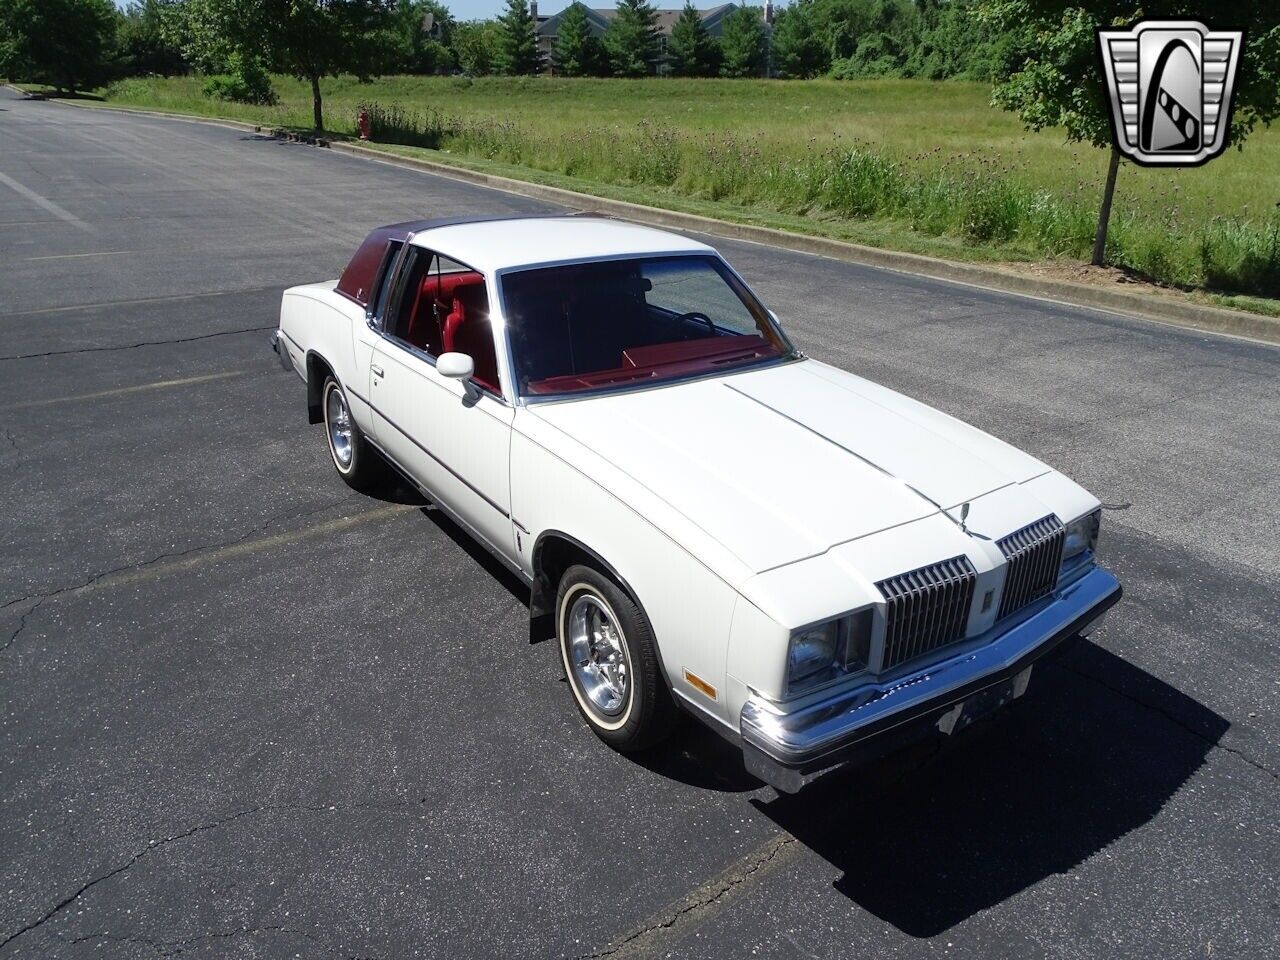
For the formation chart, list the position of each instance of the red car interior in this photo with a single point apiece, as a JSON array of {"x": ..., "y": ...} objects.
[
  {"x": 670, "y": 359},
  {"x": 451, "y": 313},
  {"x": 591, "y": 325},
  {"x": 708, "y": 347}
]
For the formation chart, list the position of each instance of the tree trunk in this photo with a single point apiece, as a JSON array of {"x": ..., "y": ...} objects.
[
  {"x": 1104, "y": 215},
  {"x": 317, "y": 108}
]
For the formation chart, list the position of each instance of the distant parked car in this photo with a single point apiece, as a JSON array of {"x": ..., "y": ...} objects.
[{"x": 810, "y": 563}]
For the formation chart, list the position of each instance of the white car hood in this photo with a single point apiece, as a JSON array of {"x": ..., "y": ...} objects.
[{"x": 783, "y": 463}]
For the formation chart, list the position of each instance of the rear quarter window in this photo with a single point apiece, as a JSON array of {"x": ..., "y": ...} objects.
[{"x": 360, "y": 279}]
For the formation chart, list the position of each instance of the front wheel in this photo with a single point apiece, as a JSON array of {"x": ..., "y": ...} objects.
[
  {"x": 353, "y": 456},
  {"x": 611, "y": 661}
]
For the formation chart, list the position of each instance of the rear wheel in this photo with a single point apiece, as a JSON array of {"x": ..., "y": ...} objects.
[
  {"x": 611, "y": 661},
  {"x": 355, "y": 459}
]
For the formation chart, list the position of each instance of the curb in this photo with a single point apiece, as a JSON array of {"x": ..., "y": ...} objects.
[{"x": 1172, "y": 312}]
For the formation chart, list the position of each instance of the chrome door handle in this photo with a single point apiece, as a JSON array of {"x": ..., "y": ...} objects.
[{"x": 377, "y": 370}]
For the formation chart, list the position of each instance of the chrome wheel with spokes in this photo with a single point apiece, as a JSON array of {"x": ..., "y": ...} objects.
[
  {"x": 598, "y": 654},
  {"x": 611, "y": 660},
  {"x": 338, "y": 419},
  {"x": 355, "y": 459}
]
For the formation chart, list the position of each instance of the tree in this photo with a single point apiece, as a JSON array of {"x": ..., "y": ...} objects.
[
  {"x": 518, "y": 46},
  {"x": 955, "y": 42},
  {"x": 311, "y": 39},
  {"x": 308, "y": 39},
  {"x": 424, "y": 34},
  {"x": 632, "y": 38},
  {"x": 1061, "y": 82},
  {"x": 578, "y": 52},
  {"x": 693, "y": 52},
  {"x": 742, "y": 44},
  {"x": 475, "y": 44},
  {"x": 69, "y": 44},
  {"x": 798, "y": 51},
  {"x": 143, "y": 46},
  {"x": 210, "y": 32}
]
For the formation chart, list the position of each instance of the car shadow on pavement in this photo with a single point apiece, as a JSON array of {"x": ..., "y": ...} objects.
[
  {"x": 1094, "y": 751},
  {"x": 518, "y": 588},
  {"x": 700, "y": 757},
  {"x": 399, "y": 491}
]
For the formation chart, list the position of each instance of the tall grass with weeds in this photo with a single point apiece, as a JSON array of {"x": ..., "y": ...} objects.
[
  {"x": 971, "y": 197},
  {"x": 913, "y": 164}
]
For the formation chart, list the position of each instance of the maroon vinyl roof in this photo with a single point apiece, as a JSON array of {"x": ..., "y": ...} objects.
[{"x": 357, "y": 280}]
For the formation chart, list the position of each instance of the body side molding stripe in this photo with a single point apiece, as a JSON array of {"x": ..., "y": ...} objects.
[
  {"x": 440, "y": 504},
  {"x": 454, "y": 473}
]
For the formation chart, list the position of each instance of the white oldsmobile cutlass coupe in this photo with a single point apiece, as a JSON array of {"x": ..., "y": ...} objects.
[{"x": 817, "y": 567}]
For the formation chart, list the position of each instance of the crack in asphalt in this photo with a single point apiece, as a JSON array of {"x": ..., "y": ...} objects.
[
  {"x": 134, "y": 346},
  {"x": 86, "y": 887},
  {"x": 390, "y": 806},
  {"x": 140, "y": 301},
  {"x": 1172, "y": 718},
  {"x": 710, "y": 894},
  {"x": 41, "y": 599},
  {"x": 703, "y": 898},
  {"x": 171, "y": 948}
]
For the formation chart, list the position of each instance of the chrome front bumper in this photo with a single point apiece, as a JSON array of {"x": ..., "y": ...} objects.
[
  {"x": 281, "y": 351},
  {"x": 786, "y": 749}
]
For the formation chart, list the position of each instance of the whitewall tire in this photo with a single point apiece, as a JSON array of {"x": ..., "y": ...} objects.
[
  {"x": 355, "y": 459},
  {"x": 611, "y": 661}
]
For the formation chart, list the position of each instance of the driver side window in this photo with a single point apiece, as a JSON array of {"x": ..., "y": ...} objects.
[{"x": 442, "y": 306}]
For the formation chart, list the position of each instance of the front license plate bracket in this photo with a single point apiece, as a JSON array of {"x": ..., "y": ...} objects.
[{"x": 983, "y": 703}]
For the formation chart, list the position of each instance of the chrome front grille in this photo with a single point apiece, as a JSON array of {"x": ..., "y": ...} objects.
[
  {"x": 926, "y": 609},
  {"x": 1034, "y": 556}
]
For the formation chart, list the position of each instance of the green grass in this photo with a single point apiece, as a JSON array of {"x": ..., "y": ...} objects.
[{"x": 915, "y": 165}]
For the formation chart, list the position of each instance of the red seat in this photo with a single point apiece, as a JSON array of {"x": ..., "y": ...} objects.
[
  {"x": 423, "y": 330},
  {"x": 435, "y": 294},
  {"x": 467, "y": 330}
]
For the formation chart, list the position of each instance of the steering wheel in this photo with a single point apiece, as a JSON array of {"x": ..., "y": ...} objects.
[{"x": 698, "y": 315}]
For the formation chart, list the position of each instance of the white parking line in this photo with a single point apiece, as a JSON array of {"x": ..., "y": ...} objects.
[
  {"x": 184, "y": 564},
  {"x": 44, "y": 202},
  {"x": 77, "y": 256},
  {"x": 140, "y": 388}
]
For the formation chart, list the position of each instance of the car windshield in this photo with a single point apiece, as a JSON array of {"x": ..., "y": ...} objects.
[{"x": 624, "y": 323}]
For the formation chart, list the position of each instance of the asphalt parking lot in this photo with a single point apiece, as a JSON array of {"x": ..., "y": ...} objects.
[{"x": 249, "y": 713}]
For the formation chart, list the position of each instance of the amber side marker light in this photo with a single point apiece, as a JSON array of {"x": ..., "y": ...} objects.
[{"x": 700, "y": 685}]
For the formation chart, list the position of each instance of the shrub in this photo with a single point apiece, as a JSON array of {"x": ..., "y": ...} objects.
[
  {"x": 991, "y": 210},
  {"x": 246, "y": 81},
  {"x": 654, "y": 156},
  {"x": 1242, "y": 257},
  {"x": 394, "y": 124},
  {"x": 859, "y": 183}
]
